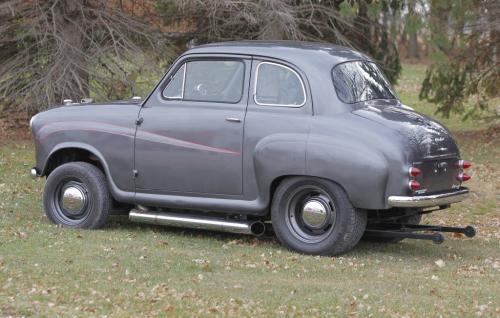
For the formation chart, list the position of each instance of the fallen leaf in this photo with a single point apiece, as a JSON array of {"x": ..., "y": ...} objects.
[
  {"x": 169, "y": 308},
  {"x": 440, "y": 263}
]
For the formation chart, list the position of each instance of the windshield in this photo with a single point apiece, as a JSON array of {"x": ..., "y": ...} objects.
[{"x": 361, "y": 81}]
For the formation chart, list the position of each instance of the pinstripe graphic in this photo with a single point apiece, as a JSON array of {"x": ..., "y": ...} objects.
[{"x": 49, "y": 129}]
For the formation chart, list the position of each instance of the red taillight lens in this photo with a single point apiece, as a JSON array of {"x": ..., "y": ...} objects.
[
  {"x": 414, "y": 185},
  {"x": 463, "y": 177},
  {"x": 414, "y": 172},
  {"x": 464, "y": 164}
]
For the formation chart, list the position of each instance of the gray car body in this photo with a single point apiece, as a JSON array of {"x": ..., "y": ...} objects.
[{"x": 186, "y": 154}]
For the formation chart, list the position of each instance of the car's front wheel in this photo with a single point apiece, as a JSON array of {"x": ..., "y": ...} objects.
[
  {"x": 76, "y": 195},
  {"x": 315, "y": 216}
]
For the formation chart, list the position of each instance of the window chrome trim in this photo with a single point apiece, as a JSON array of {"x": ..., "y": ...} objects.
[
  {"x": 278, "y": 105},
  {"x": 170, "y": 81},
  {"x": 183, "y": 80}
]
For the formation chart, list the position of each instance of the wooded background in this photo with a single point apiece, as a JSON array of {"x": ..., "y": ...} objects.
[{"x": 56, "y": 49}]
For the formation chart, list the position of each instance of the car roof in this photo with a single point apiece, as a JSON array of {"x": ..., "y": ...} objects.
[{"x": 295, "y": 52}]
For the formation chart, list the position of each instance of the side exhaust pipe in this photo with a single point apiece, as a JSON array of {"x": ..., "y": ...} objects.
[{"x": 256, "y": 228}]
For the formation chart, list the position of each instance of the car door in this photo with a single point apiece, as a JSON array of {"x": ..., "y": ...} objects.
[
  {"x": 277, "y": 124},
  {"x": 190, "y": 136}
]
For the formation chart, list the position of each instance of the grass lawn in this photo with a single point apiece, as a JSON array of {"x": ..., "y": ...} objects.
[{"x": 132, "y": 269}]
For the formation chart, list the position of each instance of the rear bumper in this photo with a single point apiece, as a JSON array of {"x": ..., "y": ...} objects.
[{"x": 423, "y": 201}]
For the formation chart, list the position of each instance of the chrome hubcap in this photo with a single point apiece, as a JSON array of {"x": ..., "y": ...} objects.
[
  {"x": 314, "y": 214},
  {"x": 310, "y": 214},
  {"x": 74, "y": 199}
]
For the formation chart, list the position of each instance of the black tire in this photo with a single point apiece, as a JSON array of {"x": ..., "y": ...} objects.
[
  {"x": 412, "y": 219},
  {"x": 336, "y": 231},
  {"x": 76, "y": 195}
]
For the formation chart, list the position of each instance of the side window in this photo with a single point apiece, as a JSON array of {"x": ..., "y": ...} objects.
[
  {"x": 278, "y": 85},
  {"x": 208, "y": 81}
]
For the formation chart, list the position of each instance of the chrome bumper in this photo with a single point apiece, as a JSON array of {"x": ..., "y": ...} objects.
[
  {"x": 423, "y": 201},
  {"x": 34, "y": 173}
]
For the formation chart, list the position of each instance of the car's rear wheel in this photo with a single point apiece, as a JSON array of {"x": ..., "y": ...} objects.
[
  {"x": 315, "y": 216},
  {"x": 76, "y": 195}
]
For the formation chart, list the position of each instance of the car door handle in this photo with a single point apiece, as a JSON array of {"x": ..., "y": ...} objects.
[{"x": 233, "y": 119}]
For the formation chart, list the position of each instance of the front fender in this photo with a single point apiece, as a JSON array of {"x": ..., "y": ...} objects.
[{"x": 44, "y": 160}]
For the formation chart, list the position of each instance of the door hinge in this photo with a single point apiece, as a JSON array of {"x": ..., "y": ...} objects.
[
  {"x": 135, "y": 173},
  {"x": 139, "y": 121}
]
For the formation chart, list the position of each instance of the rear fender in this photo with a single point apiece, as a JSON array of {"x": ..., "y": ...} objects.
[
  {"x": 276, "y": 156},
  {"x": 361, "y": 170}
]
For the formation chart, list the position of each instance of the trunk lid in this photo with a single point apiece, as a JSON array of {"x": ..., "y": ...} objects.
[{"x": 430, "y": 145}]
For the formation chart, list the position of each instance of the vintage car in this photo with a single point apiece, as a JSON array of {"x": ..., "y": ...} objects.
[{"x": 307, "y": 139}]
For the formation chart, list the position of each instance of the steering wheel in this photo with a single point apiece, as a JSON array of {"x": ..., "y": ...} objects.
[{"x": 200, "y": 90}]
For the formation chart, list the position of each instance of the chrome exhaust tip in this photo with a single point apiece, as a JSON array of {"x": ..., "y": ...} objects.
[
  {"x": 257, "y": 228},
  {"x": 201, "y": 222}
]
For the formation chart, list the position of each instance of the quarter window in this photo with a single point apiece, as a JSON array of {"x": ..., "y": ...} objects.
[
  {"x": 175, "y": 88},
  {"x": 278, "y": 85},
  {"x": 208, "y": 81}
]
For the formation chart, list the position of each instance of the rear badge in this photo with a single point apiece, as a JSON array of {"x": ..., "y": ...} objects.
[{"x": 443, "y": 165}]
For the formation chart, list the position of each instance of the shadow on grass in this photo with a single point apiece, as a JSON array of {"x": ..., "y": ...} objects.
[
  {"x": 364, "y": 249},
  {"x": 122, "y": 223}
]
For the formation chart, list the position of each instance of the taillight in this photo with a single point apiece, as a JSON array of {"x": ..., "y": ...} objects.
[
  {"x": 414, "y": 172},
  {"x": 464, "y": 164},
  {"x": 463, "y": 177},
  {"x": 414, "y": 185}
]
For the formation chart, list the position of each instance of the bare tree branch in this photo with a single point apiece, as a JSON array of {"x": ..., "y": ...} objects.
[{"x": 56, "y": 49}]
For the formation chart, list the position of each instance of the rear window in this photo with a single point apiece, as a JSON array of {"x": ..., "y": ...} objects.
[{"x": 361, "y": 81}]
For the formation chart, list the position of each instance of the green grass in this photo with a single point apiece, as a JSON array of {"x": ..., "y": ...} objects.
[
  {"x": 408, "y": 90},
  {"x": 129, "y": 269}
]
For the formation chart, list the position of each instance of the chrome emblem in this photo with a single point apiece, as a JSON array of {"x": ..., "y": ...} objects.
[
  {"x": 438, "y": 139},
  {"x": 443, "y": 165}
]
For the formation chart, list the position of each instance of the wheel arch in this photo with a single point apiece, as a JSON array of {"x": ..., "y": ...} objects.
[
  {"x": 75, "y": 151},
  {"x": 71, "y": 152},
  {"x": 278, "y": 180}
]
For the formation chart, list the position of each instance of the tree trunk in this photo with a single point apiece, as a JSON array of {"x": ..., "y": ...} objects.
[
  {"x": 439, "y": 25},
  {"x": 413, "y": 48},
  {"x": 73, "y": 49},
  {"x": 273, "y": 31}
]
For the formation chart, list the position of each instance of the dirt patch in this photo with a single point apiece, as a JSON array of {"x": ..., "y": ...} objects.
[
  {"x": 491, "y": 134},
  {"x": 14, "y": 126}
]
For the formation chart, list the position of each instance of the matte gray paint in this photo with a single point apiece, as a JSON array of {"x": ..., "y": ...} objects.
[{"x": 188, "y": 156}]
